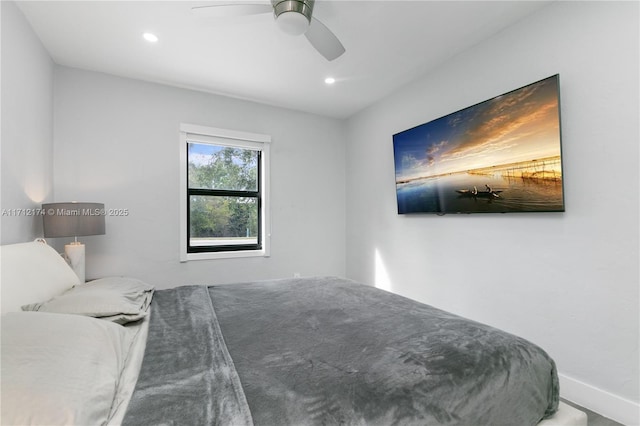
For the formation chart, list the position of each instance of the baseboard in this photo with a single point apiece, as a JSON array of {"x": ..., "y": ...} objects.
[{"x": 602, "y": 402}]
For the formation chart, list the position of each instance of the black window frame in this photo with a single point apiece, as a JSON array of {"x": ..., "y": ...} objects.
[{"x": 257, "y": 194}]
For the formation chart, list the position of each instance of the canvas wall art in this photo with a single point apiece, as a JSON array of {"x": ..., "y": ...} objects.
[{"x": 501, "y": 155}]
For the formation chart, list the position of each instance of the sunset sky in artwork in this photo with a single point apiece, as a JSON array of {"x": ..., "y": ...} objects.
[{"x": 522, "y": 125}]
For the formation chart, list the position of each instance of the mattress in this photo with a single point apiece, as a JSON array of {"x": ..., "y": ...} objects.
[{"x": 566, "y": 416}]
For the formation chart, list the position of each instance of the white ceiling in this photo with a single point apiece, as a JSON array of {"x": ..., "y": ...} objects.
[{"x": 388, "y": 44}]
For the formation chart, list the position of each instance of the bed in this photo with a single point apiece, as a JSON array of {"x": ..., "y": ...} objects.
[{"x": 316, "y": 351}]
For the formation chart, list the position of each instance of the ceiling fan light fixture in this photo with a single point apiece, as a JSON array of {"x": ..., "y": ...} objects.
[
  {"x": 293, "y": 16},
  {"x": 292, "y": 23}
]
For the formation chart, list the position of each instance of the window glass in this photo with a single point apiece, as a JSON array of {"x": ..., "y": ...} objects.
[
  {"x": 222, "y": 167},
  {"x": 224, "y": 198},
  {"x": 223, "y": 220}
]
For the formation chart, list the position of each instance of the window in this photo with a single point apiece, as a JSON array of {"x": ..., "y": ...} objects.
[{"x": 224, "y": 193}]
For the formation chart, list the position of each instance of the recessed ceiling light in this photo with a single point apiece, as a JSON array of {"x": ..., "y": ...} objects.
[
  {"x": 151, "y": 38},
  {"x": 329, "y": 80}
]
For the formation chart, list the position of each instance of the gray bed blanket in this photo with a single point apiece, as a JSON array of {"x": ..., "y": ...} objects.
[
  {"x": 187, "y": 376},
  {"x": 329, "y": 351}
]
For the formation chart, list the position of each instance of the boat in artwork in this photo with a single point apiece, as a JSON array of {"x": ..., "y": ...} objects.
[{"x": 475, "y": 193}]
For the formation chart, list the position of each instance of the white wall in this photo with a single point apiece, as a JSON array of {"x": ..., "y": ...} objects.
[
  {"x": 27, "y": 127},
  {"x": 567, "y": 281},
  {"x": 116, "y": 141}
]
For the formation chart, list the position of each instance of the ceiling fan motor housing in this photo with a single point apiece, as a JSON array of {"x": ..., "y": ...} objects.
[{"x": 293, "y": 16}]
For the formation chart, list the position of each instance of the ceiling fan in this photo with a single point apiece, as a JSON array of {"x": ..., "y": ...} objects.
[{"x": 292, "y": 16}]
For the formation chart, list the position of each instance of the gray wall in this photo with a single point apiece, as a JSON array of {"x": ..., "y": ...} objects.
[
  {"x": 27, "y": 127},
  {"x": 116, "y": 141},
  {"x": 569, "y": 281}
]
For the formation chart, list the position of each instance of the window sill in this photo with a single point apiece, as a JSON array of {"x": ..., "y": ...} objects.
[{"x": 186, "y": 257}]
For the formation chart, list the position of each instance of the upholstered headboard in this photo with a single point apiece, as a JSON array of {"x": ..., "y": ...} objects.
[{"x": 32, "y": 272}]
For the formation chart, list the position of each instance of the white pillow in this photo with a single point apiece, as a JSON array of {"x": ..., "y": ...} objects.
[
  {"x": 32, "y": 271},
  {"x": 117, "y": 299},
  {"x": 60, "y": 369}
]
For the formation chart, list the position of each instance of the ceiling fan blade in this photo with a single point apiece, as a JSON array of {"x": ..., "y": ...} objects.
[
  {"x": 324, "y": 40},
  {"x": 231, "y": 10}
]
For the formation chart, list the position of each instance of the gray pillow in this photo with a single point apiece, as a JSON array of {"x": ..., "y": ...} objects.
[{"x": 117, "y": 299}]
